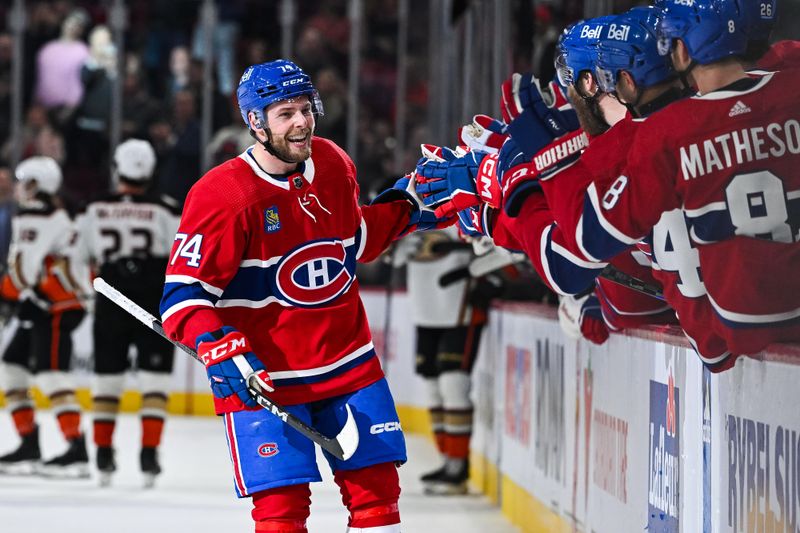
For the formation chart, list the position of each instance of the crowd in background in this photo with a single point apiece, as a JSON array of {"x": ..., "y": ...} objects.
[{"x": 70, "y": 66}]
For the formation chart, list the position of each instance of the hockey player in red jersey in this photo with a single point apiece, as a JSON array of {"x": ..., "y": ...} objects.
[
  {"x": 262, "y": 280},
  {"x": 712, "y": 178},
  {"x": 552, "y": 247}
]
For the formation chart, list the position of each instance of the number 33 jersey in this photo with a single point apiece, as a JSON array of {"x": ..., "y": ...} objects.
[
  {"x": 715, "y": 177},
  {"x": 275, "y": 258},
  {"x": 127, "y": 239}
]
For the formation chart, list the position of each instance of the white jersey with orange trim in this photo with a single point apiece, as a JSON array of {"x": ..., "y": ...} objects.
[{"x": 42, "y": 259}]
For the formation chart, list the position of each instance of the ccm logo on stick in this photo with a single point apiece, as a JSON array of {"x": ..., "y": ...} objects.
[{"x": 386, "y": 427}]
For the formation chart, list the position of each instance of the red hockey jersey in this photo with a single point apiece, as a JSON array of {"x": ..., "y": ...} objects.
[
  {"x": 781, "y": 55},
  {"x": 712, "y": 180},
  {"x": 275, "y": 258}
]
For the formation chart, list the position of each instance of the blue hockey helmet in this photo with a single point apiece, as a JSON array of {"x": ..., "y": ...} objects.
[
  {"x": 759, "y": 18},
  {"x": 267, "y": 83},
  {"x": 575, "y": 52},
  {"x": 711, "y": 29},
  {"x": 630, "y": 43}
]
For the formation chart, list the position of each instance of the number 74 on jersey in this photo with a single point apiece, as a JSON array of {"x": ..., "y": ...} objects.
[{"x": 188, "y": 248}]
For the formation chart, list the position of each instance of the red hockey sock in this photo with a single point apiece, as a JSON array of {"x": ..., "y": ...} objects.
[
  {"x": 282, "y": 509},
  {"x": 70, "y": 424},
  {"x": 441, "y": 441},
  {"x": 103, "y": 432},
  {"x": 457, "y": 446},
  {"x": 152, "y": 428},
  {"x": 370, "y": 494},
  {"x": 281, "y": 526},
  {"x": 23, "y": 420}
]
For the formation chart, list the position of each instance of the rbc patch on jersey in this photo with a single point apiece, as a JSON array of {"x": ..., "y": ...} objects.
[{"x": 272, "y": 222}]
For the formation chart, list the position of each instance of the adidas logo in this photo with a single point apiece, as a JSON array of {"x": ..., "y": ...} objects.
[{"x": 739, "y": 109}]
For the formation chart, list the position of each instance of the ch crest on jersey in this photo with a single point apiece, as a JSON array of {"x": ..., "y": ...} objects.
[
  {"x": 272, "y": 221},
  {"x": 315, "y": 273}
]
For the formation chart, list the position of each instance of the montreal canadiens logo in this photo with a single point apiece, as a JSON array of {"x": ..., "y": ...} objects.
[
  {"x": 268, "y": 449},
  {"x": 314, "y": 274}
]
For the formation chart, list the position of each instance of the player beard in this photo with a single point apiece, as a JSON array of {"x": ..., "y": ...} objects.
[
  {"x": 288, "y": 146},
  {"x": 589, "y": 113}
]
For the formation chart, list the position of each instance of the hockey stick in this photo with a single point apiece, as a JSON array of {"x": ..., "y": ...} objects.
[
  {"x": 343, "y": 446},
  {"x": 611, "y": 273}
]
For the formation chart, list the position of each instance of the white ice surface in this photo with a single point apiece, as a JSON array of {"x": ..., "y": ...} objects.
[{"x": 195, "y": 492}]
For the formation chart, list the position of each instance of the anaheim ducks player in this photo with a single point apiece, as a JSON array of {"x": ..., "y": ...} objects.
[
  {"x": 127, "y": 238},
  {"x": 448, "y": 332},
  {"x": 42, "y": 279}
]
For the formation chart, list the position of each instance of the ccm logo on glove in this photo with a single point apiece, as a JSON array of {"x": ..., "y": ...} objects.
[
  {"x": 233, "y": 346},
  {"x": 487, "y": 179}
]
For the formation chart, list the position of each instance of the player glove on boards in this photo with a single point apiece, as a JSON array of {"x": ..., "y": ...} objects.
[
  {"x": 457, "y": 183},
  {"x": 229, "y": 362},
  {"x": 580, "y": 316},
  {"x": 422, "y": 218},
  {"x": 535, "y": 117}
]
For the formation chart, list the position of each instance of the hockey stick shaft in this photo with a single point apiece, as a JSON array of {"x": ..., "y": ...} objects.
[
  {"x": 619, "y": 277},
  {"x": 331, "y": 445},
  {"x": 610, "y": 273}
]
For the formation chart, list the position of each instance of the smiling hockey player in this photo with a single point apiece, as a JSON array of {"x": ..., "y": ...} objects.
[{"x": 262, "y": 280}]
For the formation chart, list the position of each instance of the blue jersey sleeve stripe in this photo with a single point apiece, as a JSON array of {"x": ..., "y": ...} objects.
[
  {"x": 176, "y": 293},
  {"x": 598, "y": 237},
  {"x": 317, "y": 378},
  {"x": 565, "y": 275}
]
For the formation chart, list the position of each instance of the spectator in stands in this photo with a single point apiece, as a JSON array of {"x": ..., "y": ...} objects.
[
  {"x": 220, "y": 104},
  {"x": 7, "y": 209},
  {"x": 545, "y": 35},
  {"x": 58, "y": 66},
  {"x": 232, "y": 140},
  {"x": 138, "y": 107},
  {"x": 39, "y": 137},
  {"x": 331, "y": 84},
  {"x": 177, "y": 144},
  {"x": 6, "y": 46},
  {"x": 179, "y": 61},
  {"x": 224, "y": 36}
]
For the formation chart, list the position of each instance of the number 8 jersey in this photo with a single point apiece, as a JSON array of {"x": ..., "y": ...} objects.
[{"x": 715, "y": 177}]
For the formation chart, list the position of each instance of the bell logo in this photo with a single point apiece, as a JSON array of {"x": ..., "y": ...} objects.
[
  {"x": 618, "y": 32},
  {"x": 385, "y": 427},
  {"x": 588, "y": 32}
]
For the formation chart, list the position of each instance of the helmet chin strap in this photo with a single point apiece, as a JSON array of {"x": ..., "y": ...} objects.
[
  {"x": 268, "y": 147},
  {"x": 267, "y": 144}
]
